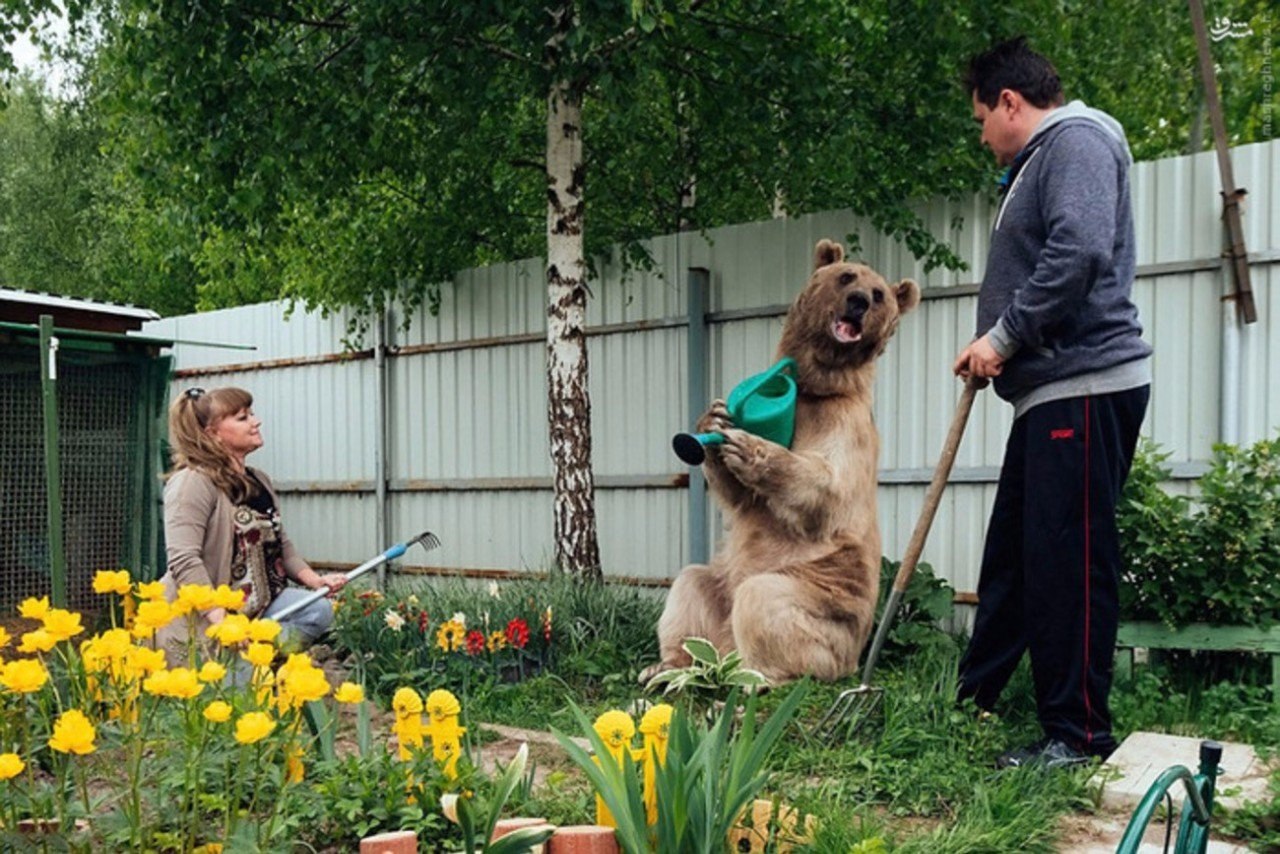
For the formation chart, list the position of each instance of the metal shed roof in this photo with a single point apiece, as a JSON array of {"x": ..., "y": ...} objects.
[{"x": 18, "y": 306}]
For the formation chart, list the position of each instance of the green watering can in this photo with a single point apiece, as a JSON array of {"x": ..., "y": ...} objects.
[{"x": 764, "y": 404}]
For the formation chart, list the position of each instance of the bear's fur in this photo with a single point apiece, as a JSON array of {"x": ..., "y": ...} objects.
[{"x": 793, "y": 587}]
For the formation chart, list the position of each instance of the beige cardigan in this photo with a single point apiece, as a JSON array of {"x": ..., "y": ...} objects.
[{"x": 199, "y": 535}]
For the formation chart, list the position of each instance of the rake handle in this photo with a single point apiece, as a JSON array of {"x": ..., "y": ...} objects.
[
  {"x": 390, "y": 554},
  {"x": 932, "y": 498}
]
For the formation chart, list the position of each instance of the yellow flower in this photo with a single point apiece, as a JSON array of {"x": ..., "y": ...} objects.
[
  {"x": 253, "y": 727},
  {"x": 37, "y": 641},
  {"x": 153, "y": 614},
  {"x": 73, "y": 733},
  {"x": 349, "y": 692},
  {"x": 616, "y": 729},
  {"x": 259, "y": 654},
  {"x": 181, "y": 683},
  {"x": 212, "y": 671},
  {"x": 293, "y": 768},
  {"x": 441, "y": 704},
  {"x": 34, "y": 609},
  {"x": 234, "y": 629},
  {"x": 264, "y": 631},
  {"x": 11, "y": 765},
  {"x": 151, "y": 591},
  {"x": 497, "y": 641},
  {"x": 208, "y": 848},
  {"x": 300, "y": 682},
  {"x": 217, "y": 712},
  {"x": 107, "y": 651},
  {"x": 194, "y": 597},
  {"x": 106, "y": 581},
  {"x": 451, "y": 635},
  {"x": 62, "y": 625},
  {"x": 4, "y": 637},
  {"x": 109, "y": 581},
  {"x": 406, "y": 701},
  {"x": 227, "y": 599},
  {"x": 143, "y": 660}
]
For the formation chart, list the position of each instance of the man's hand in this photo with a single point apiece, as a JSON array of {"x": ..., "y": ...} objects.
[{"x": 979, "y": 359}]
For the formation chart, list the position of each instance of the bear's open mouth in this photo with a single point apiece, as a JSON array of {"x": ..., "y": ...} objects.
[{"x": 846, "y": 331}]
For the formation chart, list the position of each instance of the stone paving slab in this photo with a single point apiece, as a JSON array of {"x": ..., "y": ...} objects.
[{"x": 1144, "y": 756}]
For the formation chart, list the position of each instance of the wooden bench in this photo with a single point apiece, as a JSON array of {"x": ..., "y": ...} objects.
[{"x": 1199, "y": 636}]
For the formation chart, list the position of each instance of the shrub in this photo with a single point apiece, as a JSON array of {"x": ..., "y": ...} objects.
[
  {"x": 1211, "y": 559},
  {"x": 926, "y": 604}
]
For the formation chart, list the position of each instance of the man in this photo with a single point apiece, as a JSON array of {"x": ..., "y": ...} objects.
[{"x": 1059, "y": 337}]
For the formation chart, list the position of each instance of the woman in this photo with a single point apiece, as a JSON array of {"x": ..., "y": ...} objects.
[{"x": 222, "y": 521}]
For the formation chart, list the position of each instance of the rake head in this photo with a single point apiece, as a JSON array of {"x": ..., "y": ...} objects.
[
  {"x": 848, "y": 712},
  {"x": 428, "y": 540}
]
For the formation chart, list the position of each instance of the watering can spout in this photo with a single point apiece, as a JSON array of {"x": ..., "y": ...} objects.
[{"x": 763, "y": 404}]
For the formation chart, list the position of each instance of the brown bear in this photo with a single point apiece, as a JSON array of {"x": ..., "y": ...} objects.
[{"x": 793, "y": 586}]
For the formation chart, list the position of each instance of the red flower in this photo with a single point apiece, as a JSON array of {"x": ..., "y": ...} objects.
[
  {"x": 475, "y": 642},
  {"x": 423, "y": 622},
  {"x": 518, "y": 633}
]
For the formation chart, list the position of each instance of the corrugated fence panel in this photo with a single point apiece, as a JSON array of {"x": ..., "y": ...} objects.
[{"x": 466, "y": 387}]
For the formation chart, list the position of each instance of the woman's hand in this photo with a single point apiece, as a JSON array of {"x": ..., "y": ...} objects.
[{"x": 335, "y": 581}]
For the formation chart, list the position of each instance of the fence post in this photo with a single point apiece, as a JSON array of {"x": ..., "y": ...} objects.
[
  {"x": 380, "y": 437},
  {"x": 52, "y": 462},
  {"x": 697, "y": 350}
]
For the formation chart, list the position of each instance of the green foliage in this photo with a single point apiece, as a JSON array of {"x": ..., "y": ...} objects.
[
  {"x": 926, "y": 606},
  {"x": 1257, "y": 824},
  {"x": 1173, "y": 697},
  {"x": 597, "y": 632},
  {"x": 1214, "y": 558},
  {"x": 709, "y": 677},
  {"x": 711, "y": 773},
  {"x": 483, "y": 817},
  {"x": 365, "y": 793}
]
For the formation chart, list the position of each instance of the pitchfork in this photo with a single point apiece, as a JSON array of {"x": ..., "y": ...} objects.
[
  {"x": 428, "y": 540},
  {"x": 855, "y": 705}
]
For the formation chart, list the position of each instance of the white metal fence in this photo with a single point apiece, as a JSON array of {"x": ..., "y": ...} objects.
[{"x": 459, "y": 398}]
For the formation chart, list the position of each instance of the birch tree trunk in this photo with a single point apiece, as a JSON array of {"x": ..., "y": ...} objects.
[{"x": 577, "y": 547}]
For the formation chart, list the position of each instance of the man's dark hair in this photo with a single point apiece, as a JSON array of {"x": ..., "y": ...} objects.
[{"x": 1013, "y": 65}]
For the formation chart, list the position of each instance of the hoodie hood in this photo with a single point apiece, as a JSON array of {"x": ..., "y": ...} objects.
[{"x": 1079, "y": 111}]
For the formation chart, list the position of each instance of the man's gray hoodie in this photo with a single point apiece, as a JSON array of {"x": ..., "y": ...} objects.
[{"x": 1056, "y": 294}]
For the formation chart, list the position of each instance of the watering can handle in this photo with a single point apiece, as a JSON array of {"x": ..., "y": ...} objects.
[{"x": 753, "y": 384}]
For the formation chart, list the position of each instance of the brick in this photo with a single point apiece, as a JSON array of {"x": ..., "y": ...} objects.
[
  {"x": 583, "y": 839},
  {"x": 507, "y": 825},
  {"x": 396, "y": 842}
]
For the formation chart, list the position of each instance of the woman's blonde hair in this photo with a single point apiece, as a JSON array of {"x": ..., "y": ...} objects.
[{"x": 193, "y": 448}]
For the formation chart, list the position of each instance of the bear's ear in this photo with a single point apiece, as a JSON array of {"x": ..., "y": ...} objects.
[
  {"x": 908, "y": 293},
  {"x": 827, "y": 252}
]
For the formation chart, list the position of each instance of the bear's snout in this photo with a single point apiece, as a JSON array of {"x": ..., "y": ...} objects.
[{"x": 855, "y": 306}]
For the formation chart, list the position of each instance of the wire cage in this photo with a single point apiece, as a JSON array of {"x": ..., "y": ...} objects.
[{"x": 105, "y": 422}]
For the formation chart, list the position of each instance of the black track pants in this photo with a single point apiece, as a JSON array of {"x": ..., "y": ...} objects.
[{"x": 1050, "y": 568}]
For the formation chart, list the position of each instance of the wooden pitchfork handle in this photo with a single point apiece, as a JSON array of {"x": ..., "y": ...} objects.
[{"x": 931, "y": 500}]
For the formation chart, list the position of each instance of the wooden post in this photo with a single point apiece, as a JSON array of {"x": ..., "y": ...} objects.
[{"x": 1231, "y": 195}]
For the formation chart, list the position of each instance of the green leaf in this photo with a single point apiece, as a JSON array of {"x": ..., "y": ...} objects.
[{"x": 702, "y": 651}]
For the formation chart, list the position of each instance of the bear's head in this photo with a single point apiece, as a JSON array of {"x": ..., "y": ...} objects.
[{"x": 842, "y": 320}]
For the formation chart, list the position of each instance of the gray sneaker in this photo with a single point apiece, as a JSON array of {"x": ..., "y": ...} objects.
[{"x": 1045, "y": 753}]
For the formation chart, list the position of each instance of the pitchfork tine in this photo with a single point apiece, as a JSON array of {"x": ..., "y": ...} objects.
[{"x": 429, "y": 541}]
